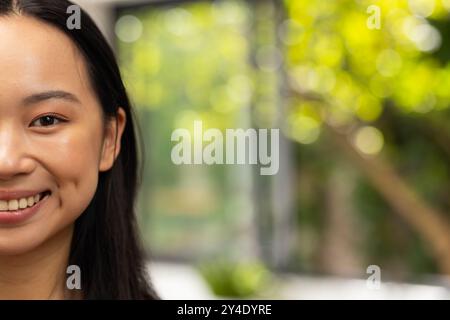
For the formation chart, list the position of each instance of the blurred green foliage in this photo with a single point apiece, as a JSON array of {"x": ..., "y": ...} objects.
[
  {"x": 190, "y": 63},
  {"x": 396, "y": 80},
  {"x": 350, "y": 71},
  {"x": 236, "y": 279},
  {"x": 302, "y": 66}
]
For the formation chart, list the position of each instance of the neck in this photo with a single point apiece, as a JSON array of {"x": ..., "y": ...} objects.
[{"x": 39, "y": 274}]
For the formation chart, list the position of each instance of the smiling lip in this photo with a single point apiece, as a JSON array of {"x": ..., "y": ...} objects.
[
  {"x": 21, "y": 215},
  {"x": 17, "y": 194}
]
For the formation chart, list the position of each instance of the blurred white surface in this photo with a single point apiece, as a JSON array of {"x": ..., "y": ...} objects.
[
  {"x": 178, "y": 281},
  {"x": 295, "y": 287}
]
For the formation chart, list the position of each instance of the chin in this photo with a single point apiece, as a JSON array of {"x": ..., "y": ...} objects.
[{"x": 20, "y": 240}]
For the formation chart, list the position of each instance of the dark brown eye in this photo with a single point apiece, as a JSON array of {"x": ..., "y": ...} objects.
[{"x": 46, "y": 121}]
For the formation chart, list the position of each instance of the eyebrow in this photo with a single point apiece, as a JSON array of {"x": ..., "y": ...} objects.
[{"x": 48, "y": 95}]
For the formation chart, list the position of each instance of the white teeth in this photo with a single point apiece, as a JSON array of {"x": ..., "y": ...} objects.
[
  {"x": 13, "y": 204},
  {"x": 22, "y": 203}
]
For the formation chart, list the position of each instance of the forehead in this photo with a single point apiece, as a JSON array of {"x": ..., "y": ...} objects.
[{"x": 36, "y": 56}]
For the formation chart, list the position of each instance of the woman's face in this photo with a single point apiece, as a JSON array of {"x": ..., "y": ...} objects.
[{"x": 52, "y": 136}]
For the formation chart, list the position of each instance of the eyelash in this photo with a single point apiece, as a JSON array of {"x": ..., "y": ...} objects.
[{"x": 51, "y": 115}]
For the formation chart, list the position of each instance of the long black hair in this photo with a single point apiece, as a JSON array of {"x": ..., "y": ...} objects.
[{"x": 105, "y": 243}]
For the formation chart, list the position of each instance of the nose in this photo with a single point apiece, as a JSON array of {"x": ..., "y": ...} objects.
[{"x": 14, "y": 159}]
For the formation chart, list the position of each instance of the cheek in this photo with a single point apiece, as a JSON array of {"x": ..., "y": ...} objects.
[{"x": 72, "y": 160}]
